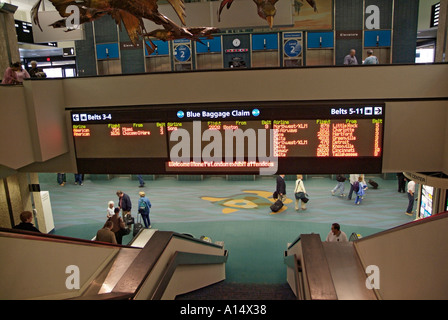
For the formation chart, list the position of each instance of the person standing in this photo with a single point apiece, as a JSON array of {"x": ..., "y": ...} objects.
[
  {"x": 401, "y": 182},
  {"x": 350, "y": 59},
  {"x": 144, "y": 206},
  {"x": 110, "y": 209},
  {"x": 105, "y": 234},
  {"x": 281, "y": 187},
  {"x": 10, "y": 77},
  {"x": 61, "y": 178},
  {"x": 300, "y": 187},
  {"x": 336, "y": 235},
  {"x": 411, "y": 197},
  {"x": 78, "y": 179},
  {"x": 340, "y": 185},
  {"x": 371, "y": 59},
  {"x": 118, "y": 225},
  {"x": 36, "y": 72},
  {"x": 124, "y": 203},
  {"x": 21, "y": 73}
]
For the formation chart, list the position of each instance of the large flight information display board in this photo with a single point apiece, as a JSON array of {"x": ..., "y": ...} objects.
[{"x": 257, "y": 138}]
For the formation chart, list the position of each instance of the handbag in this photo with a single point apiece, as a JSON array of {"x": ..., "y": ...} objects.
[
  {"x": 125, "y": 230},
  {"x": 302, "y": 196},
  {"x": 306, "y": 198},
  {"x": 129, "y": 220}
]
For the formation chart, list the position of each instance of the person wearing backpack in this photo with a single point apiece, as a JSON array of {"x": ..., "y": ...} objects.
[{"x": 143, "y": 208}]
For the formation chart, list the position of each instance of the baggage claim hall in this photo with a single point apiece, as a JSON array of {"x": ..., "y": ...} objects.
[{"x": 224, "y": 150}]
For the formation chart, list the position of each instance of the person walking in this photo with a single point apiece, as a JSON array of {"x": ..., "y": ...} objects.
[
  {"x": 299, "y": 193},
  {"x": 360, "y": 189},
  {"x": 281, "y": 188},
  {"x": 353, "y": 178},
  {"x": 144, "y": 206},
  {"x": 340, "y": 185}
]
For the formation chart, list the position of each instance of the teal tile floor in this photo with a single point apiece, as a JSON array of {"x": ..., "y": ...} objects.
[{"x": 236, "y": 212}]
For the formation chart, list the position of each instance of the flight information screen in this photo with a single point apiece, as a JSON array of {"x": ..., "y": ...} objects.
[{"x": 262, "y": 138}]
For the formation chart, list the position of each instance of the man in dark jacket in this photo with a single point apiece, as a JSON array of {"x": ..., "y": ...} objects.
[
  {"x": 124, "y": 203},
  {"x": 26, "y": 217},
  {"x": 281, "y": 187}
]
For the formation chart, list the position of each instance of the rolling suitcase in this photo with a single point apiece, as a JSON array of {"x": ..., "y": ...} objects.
[
  {"x": 137, "y": 225},
  {"x": 373, "y": 184},
  {"x": 277, "y": 206}
]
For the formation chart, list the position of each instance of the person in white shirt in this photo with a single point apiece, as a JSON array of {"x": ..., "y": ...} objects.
[
  {"x": 110, "y": 209},
  {"x": 411, "y": 193},
  {"x": 336, "y": 235},
  {"x": 299, "y": 188}
]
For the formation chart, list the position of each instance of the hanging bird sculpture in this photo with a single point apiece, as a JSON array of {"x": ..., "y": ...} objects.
[
  {"x": 265, "y": 9},
  {"x": 131, "y": 13}
]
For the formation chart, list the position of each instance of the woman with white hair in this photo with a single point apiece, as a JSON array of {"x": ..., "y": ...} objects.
[
  {"x": 110, "y": 209},
  {"x": 36, "y": 72}
]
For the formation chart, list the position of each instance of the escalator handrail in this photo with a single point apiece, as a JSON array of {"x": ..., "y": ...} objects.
[
  {"x": 23, "y": 234},
  {"x": 184, "y": 258}
]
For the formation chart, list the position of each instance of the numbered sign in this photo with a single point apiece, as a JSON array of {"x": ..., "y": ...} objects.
[
  {"x": 293, "y": 48},
  {"x": 182, "y": 53}
]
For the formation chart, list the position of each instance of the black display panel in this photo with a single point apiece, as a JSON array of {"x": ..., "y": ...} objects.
[{"x": 258, "y": 138}]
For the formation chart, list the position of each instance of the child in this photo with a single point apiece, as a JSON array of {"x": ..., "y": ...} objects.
[{"x": 359, "y": 187}]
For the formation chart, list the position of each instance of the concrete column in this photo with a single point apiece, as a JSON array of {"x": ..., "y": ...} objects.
[
  {"x": 442, "y": 33},
  {"x": 9, "y": 48},
  {"x": 15, "y": 197}
]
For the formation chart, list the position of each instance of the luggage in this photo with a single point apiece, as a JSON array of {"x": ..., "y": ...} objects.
[
  {"x": 302, "y": 196},
  {"x": 137, "y": 225},
  {"x": 277, "y": 206},
  {"x": 373, "y": 184}
]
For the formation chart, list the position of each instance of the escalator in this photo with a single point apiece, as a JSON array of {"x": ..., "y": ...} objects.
[
  {"x": 405, "y": 263},
  {"x": 164, "y": 265}
]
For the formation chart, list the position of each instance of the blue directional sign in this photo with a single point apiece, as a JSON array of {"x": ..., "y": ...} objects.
[
  {"x": 255, "y": 112},
  {"x": 182, "y": 53},
  {"x": 180, "y": 114},
  {"x": 292, "y": 48}
]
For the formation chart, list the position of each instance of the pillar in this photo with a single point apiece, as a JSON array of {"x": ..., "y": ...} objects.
[
  {"x": 9, "y": 48},
  {"x": 16, "y": 197},
  {"x": 442, "y": 33}
]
